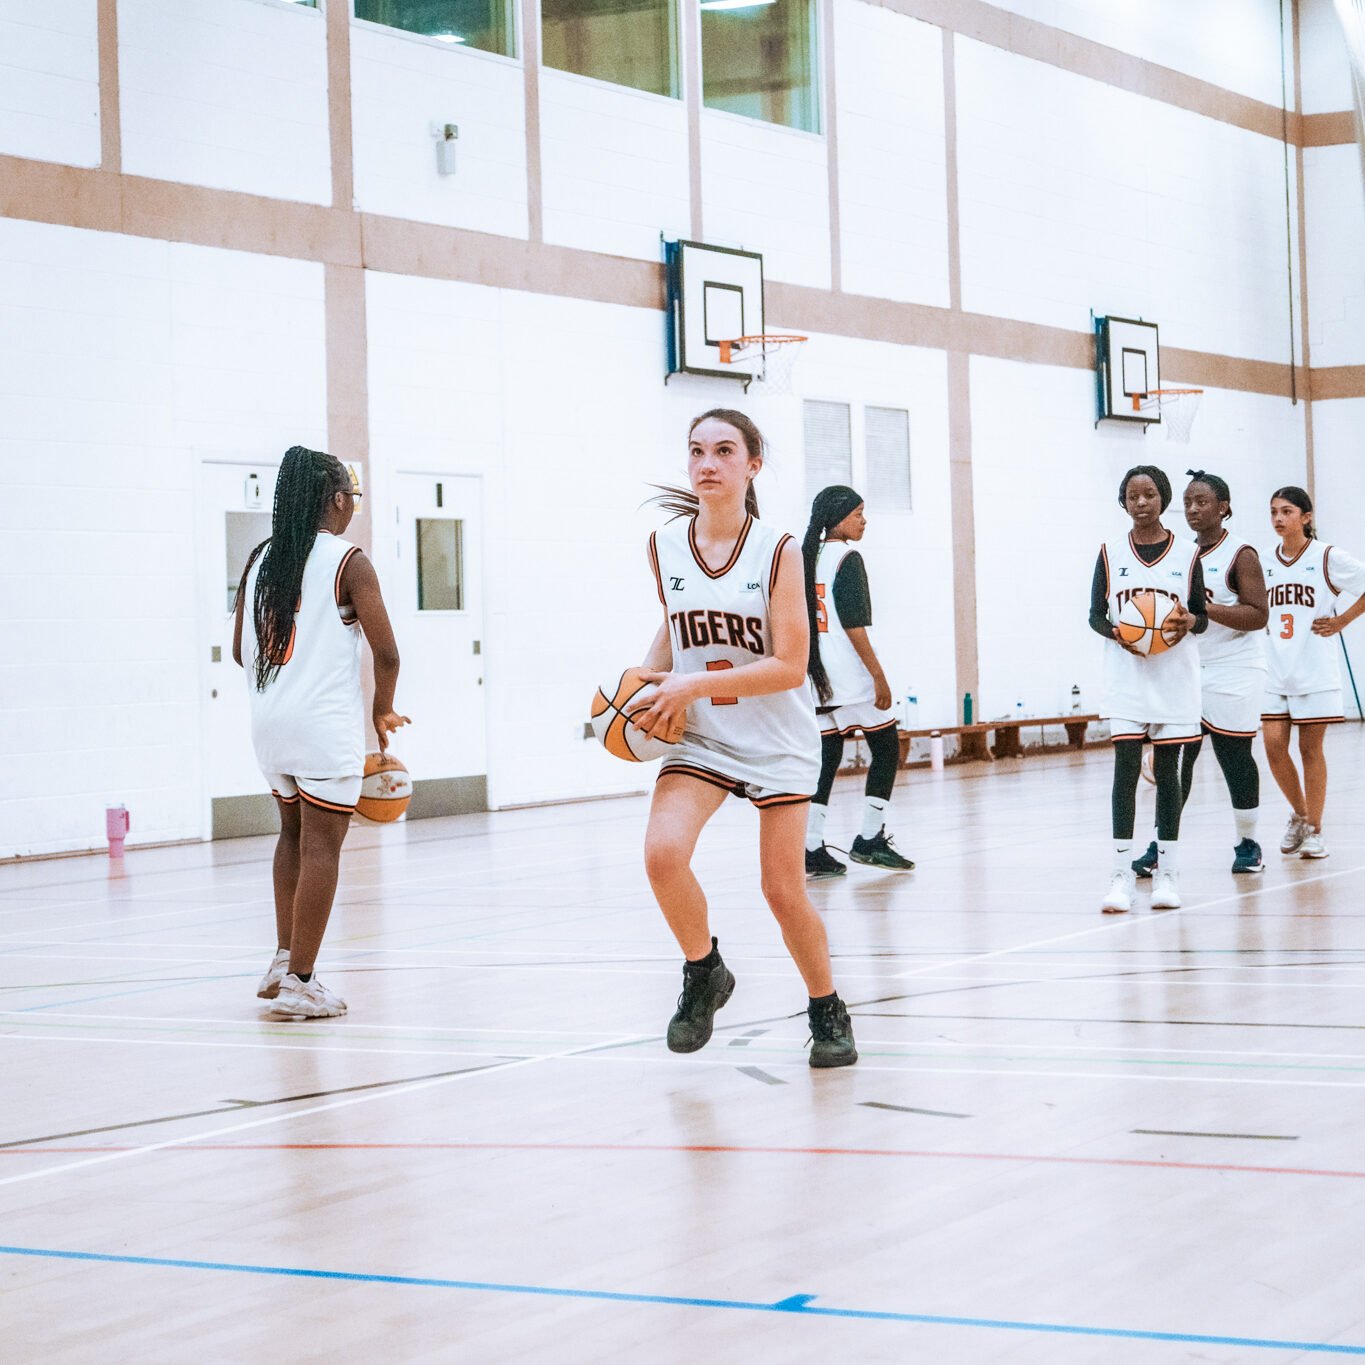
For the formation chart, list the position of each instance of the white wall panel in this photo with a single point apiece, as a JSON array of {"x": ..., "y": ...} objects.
[
  {"x": 1335, "y": 235},
  {"x": 613, "y": 166},
  {"x": 49, "y": 81},
  {"x": 1040, "y": 518},
  {"x": 122, "y": 360},
  {"x": 766, "y": 189},
  {"x": 231, "y": 95},
  {"x": 400, "y": 86},
  {"x": 1324, "y": 65},
  {"x": 1063, "y": 210},
  {"x": 893, "y": 197}
]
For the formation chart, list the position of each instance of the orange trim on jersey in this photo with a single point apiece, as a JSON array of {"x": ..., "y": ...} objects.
[
  {"x": 1289, "y": 563},
  {"x": 341, "y": 568},
  {"x": 1132, "y": 545},
  {"x": 326, "y": 805},
  {"x": 1141, "y": 734},
  {"x": 1326, "y": 574},
  {"x": 284, "y": 800},
  {"x": 1231, "y": 734},
  {"x": 1318, "y": 720},
  {"x": 1180, "y": 739},
  {"x": 777, "y": 564},
  {"x": 1275, "y": 715},
  {"x": 734, "y": 554},
  {"x": 702, "y": 775},
  {"x": 1215, "y": 545},
  {"x": 654, "y": 564},
  {"x": 781, "y": 799}
]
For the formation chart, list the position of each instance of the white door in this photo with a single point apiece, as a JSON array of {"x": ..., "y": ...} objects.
[
  {"x": 433, "y": 587},
  {"x": 234, "y": 502}
]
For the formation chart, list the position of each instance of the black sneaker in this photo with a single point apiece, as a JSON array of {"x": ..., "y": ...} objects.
[
  {"x": 705, "y": 990},
  {"x": 1146, "y": 865},
  {"x": 877, "y": 852},
  {"x": 1246, "y": 857},
  {"x": 823, "y": 864},
  {"x": 831, "y": 1034}
]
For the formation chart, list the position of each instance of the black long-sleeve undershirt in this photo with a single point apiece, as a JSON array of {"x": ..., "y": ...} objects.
[{"x": 1149, "y": 554}]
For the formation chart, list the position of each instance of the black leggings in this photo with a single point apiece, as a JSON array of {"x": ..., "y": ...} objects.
[
  {"x": 884, "y": 746},
  {"x": 1234, "y": 756},
  {"x": 1127, "y": 771}
]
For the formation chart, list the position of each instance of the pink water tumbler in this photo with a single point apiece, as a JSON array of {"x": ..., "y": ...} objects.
[{"x": 116, "y": 827}]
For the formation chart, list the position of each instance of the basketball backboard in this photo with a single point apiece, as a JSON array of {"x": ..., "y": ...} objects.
[
  {"x": 715, "y": 294},
  {"x": 1127, "y": 362}
]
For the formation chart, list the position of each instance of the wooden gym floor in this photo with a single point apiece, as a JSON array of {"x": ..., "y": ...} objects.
[{"x": 1070, "y": 1137}]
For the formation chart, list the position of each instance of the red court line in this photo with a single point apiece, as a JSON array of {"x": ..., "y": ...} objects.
[{"x": 703, "y": 1148}]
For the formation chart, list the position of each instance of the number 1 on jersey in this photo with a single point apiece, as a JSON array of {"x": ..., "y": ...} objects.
[{"x": 713, "y": 667}]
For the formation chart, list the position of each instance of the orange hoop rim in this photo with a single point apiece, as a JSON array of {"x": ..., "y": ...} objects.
[
  {"x": 1140, "y": 398},
  {"x": 764, "y": 339}
]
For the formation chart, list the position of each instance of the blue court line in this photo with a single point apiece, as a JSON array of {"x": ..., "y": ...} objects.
[{"x": 792, "y": 1304}]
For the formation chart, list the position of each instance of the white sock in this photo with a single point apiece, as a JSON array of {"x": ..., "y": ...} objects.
[
  {"x": 1168, "y": 854},
  {"x": 874, "y": 816},
  {"x": 1245, "y": 821},
  {"x": 815, "y": 826},
  {"x": 1123, "y": 855}
]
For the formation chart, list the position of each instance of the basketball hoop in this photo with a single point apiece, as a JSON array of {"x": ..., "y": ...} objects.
[
  {"x": 1175, "y": 409},
  {"x": 769, "y": 358}
]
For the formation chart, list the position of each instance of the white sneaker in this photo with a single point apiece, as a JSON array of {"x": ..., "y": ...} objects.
[
  {"x": 1313, "y": 846},
  {"x": 1120, "y": 897},
  {"x": 305, "y": 1000},
  {"x": 1165, "y": 890},
  {"x": 270, "y": 982},
  {"x": 1294, "y": 834}
]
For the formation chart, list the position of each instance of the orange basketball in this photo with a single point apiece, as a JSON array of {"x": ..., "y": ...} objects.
[
  {"x": 386, "y": 790},
  {"x": 1141, "y": 621},
  {"x": 612, "y": 709}
]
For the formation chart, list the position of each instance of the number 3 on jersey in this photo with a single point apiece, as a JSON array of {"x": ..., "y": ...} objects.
[
  {"x": 715, "y": 666},
  {"x": 1287, "y": 626}
]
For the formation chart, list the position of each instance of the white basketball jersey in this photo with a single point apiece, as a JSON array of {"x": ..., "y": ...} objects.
[
  {"x": 1159, "y": 689},
  {"x": 720, "y": 618},
  {"x": 1300, "y": 590},
  {"x": 848, "y": 675},
  {"x": 1220, "y": 646},
  {"x": 310, "y": 720}
]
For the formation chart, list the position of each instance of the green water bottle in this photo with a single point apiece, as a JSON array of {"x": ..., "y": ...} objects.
[{"x": 967, "y": 708}]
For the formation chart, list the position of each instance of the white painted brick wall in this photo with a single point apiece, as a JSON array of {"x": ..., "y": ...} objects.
[
  {"x": 766, "y": 189},
  {"x": 231, "y": 95},
  {"x": 613, "y": 166},
  {"x": 400, "y": 86},
  {"x": 1324, "y": 65},
  {"x": 1059, "y": 217},
  {"x": 122, "y": 359},
  {"x": 893, "y": 211},
  {"x": 49, "y": 81},
  {"x": 1336, "y": 255}
]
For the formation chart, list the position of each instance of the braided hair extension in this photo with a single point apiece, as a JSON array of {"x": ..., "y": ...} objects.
[
  {"x": 830, "y": 507},
  {"x": 1157, "y": 476},
  {"x": 1293, "y": 493},
  {"x": 1219, "y": 486},
  {"x": 683, "y": 502},
  {"x": 307, "y": 481}
]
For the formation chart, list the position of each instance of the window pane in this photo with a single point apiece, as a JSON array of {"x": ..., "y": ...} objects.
[
  {"x": 888, "y": 459},
  {"x": 758, "y": 59},
  {"x": 829, "y": 446},
  {"x": 245, "y": 531},
  {"x": 627, "y": 42},
  {"x": 440, "y": 565},
  {"x": 485, "y": 24}
]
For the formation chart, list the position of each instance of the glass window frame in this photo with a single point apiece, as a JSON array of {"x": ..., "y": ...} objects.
[
  {"x": 462, "y": 576},
  {"x": 512, "y": 59},
  {"x": 819, "y": 92},
  {"x": 679, "y": 10}
]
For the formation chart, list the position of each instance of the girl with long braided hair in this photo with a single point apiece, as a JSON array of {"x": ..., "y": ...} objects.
[
  {"x": 311, "y": 594},
  {"x": 851, "y": 691}
]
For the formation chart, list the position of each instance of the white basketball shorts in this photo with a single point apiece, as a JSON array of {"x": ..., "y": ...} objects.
[
  {"x": 1312, "y": 708},
  {"x": 327, "y": 793},
  {"x": 848, "y": 720},
  {"x": 1231, "y": 700}
]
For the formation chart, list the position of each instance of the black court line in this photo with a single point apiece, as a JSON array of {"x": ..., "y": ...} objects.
[
  {"x": 232, "y": 1106},
  {"x": 906, "y": 1109},
  {"x": 760, "y": 1075},
  {"x": 1175, "y": 1132}
]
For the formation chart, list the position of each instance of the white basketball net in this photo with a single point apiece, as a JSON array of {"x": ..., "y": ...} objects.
[
  {"x": 769, "y": 359},
  {"x": 1177, "y": 408}
]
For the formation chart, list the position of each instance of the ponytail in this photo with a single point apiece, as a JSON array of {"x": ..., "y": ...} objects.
[
  {"x": 683, "y": 502},
  {"x": 830, "y": 506},
  {"x": 1301, "y": 500}
]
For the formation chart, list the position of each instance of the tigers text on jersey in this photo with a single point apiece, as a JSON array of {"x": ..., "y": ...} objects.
[
  {"x": 720, "y": 619},
  {"x": 1299, "y": 590},
  {"x": 1158, "y": 689},
  {"x": 848, "y": 675},
  {"x": 1220, "y": 646},
  {"x": 310, "y": 720}
]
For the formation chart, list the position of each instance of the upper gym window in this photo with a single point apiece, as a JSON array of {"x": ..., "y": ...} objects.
[
  {"x": 485, "y": 24},
  {"x": 758, "y": 58},
  {"x": 626, "y": 42}
]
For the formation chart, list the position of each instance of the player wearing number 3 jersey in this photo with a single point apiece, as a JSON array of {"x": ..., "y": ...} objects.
[{"x": 731, "y": 653}]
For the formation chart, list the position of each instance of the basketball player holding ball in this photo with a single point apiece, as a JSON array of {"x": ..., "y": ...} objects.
[
  {"x": 730, "y": 656},
  {"x": 1303, "y": 679},
  {"x": 311, "y": 594},
  {"x": 851, "y": 691},
  {"x": 1148, "y": 698}
]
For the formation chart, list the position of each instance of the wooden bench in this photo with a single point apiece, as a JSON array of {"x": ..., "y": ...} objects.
[{"x": 973, "y": 739}]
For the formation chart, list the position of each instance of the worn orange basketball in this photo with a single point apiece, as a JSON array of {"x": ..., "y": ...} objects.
[
  {"x": 1141, "y": 621},
  {"x": 612, "y": 709},
  {"x": 386, "y": 790}
]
